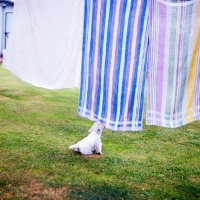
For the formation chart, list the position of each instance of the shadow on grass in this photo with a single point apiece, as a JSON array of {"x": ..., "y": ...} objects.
[
  {"x": 6, "y": 93},
  {"x": 104, "y": 191}
]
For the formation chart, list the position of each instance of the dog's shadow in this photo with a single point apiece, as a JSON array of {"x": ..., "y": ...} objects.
[{"x": 93, "y": 155}]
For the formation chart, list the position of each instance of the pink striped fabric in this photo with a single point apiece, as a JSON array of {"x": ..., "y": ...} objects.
[{"x": 173, "y": 63}]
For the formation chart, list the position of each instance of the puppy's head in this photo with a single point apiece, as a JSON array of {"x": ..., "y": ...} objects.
[{"x": 97, "y": 127}]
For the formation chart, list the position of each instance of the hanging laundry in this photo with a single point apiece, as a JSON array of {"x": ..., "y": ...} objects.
[
  {"x": 104, "y": 45},
  {"x": 173, "y": 63},
  {"x": 114, "y": 59},
  {"x": 45, "y": 43}
]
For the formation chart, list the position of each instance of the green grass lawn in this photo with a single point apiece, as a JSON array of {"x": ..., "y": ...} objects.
[{"x": 38, "y": 125}]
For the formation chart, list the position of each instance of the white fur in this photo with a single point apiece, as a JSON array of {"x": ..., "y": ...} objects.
[
  {"x": 97, "y": 127},
  {"x": 88, "y": 144}
]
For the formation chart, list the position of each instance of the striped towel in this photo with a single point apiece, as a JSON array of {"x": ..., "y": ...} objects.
[
  {"x": 173, "y": 63},
  {"x": 114, "y": 59}
]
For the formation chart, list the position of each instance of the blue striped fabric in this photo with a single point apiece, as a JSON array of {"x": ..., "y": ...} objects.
[{"x": 114, "y": 56}]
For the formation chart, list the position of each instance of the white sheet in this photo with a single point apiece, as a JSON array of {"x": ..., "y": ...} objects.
[{"x": 45, "y": 43}]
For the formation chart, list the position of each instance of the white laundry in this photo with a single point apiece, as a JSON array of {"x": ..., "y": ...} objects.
[{"x": 45, "y": 44}]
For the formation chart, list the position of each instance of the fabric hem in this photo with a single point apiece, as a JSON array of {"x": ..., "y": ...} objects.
[
  {"x": 177, "y": 4},
  {"x": 171, "y": 123},
  {"x": 124, "y": 126}
]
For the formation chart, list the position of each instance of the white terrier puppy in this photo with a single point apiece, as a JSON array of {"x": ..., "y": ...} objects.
[{"x": 90, "y": 143}]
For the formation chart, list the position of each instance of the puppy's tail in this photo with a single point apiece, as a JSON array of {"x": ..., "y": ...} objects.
[{"x": 72, "y": 147}]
